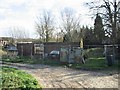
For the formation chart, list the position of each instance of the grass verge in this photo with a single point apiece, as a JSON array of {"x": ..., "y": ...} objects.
[
  {"x": 28, "y": 60},
  {"x": 96, "y": 64}
]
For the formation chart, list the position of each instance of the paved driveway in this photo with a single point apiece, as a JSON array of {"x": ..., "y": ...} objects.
[{"x": 62, "y": 77}]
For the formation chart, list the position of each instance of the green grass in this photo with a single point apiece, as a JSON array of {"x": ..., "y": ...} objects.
[
  {"x": 52, "y": 62},
  {"x": 96, "y": 64},
  {"x": 14, "y": 78},
  {"x": 28, "y": 60}
]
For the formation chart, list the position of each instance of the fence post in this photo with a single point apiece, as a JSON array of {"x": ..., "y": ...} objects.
[
  {"x": 22, "y": 51},
  {"x": 31, "y": 53}
]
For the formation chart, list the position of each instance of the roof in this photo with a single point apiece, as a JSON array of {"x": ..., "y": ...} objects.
[
  {"x": 12, "y": 48},
  {"x": 24, "y": 42}
]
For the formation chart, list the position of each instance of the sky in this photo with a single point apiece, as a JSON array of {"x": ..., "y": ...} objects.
[{"x": 23, "y": 13}]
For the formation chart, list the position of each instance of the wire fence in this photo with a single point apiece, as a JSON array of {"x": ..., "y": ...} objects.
[{"x": 105, "y": 49}]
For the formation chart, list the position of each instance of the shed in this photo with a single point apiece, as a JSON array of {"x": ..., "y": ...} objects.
[
  {"x": 25, "y": 48},
  {"x": 41, "y": 49},
  {"x": 12, "y": 51}
]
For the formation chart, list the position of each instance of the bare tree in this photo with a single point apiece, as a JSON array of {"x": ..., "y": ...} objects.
[
  {"x": 70, "y": 23},
  {"x": 110, "y": 12},
  {"x": 45, "y": 25},
  {"x": 18, "y": 33},
  {"x": 59, "y": 36}
]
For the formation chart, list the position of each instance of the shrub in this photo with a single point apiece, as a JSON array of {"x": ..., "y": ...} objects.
[{"x": 13, "y": 78}]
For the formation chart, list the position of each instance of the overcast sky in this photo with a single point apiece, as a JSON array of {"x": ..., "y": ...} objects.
[{"x": 23, "y": 13}]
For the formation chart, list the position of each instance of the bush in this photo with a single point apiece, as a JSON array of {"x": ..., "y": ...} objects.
[{"x": 13, "y": 78}]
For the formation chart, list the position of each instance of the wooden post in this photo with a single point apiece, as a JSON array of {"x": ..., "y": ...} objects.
[
  {"x": 81, "y": 42},
  {"x": 31, "y": 53},
  {"x": 22, "y": 51}
]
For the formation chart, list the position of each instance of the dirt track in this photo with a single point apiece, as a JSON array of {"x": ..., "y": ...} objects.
[{"x": 61, "y": 77}]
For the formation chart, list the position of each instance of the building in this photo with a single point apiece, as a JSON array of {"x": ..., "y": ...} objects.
[
  {"x": 25, "y": 48},
  {"x": 6, "y": 40},
  {"x": 42, "y": 49}
]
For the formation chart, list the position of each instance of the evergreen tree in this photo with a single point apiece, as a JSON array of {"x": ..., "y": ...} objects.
[
  {"x": 99, "y": 33},
  {"x": 110, "y": 12},
  {"x": 89, "y": 37}
]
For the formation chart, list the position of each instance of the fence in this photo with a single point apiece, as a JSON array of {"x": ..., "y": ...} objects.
[{"x": 110, "y": 52}]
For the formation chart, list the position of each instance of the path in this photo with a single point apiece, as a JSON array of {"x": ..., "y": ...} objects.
[{"x": 60, "y": 77}]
